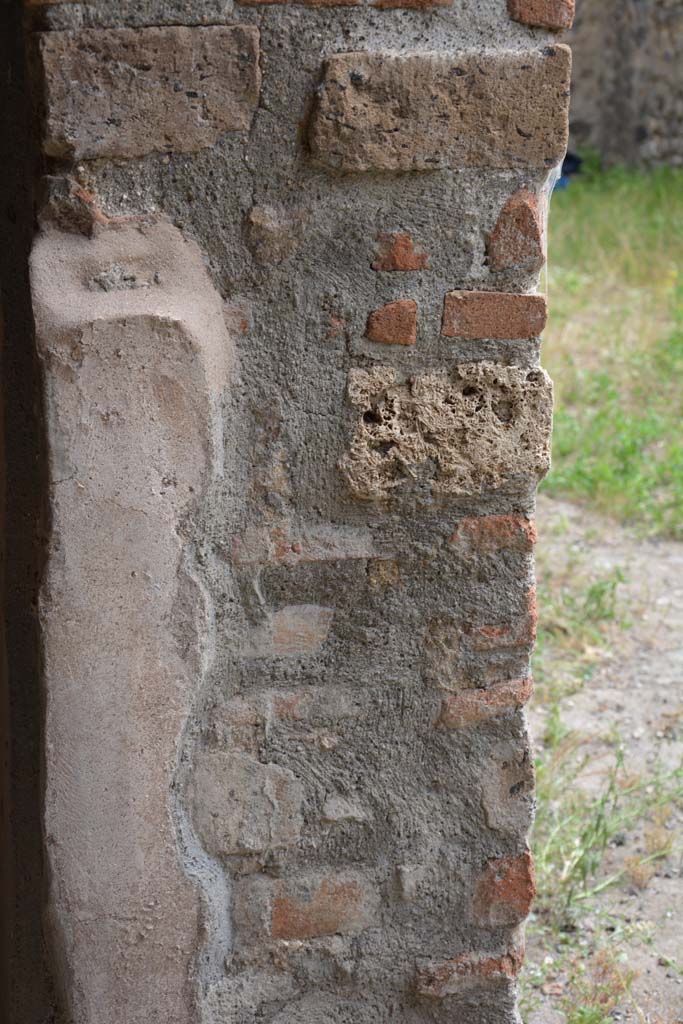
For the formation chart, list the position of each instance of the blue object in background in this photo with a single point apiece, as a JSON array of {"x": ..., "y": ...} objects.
[{"x": 570, "y": 167}]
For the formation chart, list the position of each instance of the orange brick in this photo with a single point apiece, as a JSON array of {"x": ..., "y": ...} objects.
[
  {"x": 493, "y": 315},
  {"x": 489, "y": 534},
  {"x": 397, "y": 252},
  {"x": 470, "y": 707},
  {"x": 516, "y": 242},
  {"x": 556, "y": 15},
  {"x": 394, "y": 324},
  {"x": 449, "y": 977},
  {"x": 336, "y": 906},
  {"x": 505, "y": 891}
]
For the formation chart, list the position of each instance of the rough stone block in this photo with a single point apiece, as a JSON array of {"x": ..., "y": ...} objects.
[
  {"x": 557, "y": 15},
  {"x": 470, "y": 707},
  {"x": 440, "y": 979},
  {"x": 446, "y": 111},
  {"x": 494, "y": 316},
  {"x": 505, "y": 891},
  {"x": 398, "y": 252},
  {"x": 394, "y": 324},
  {"x": 135, "y": 357},
  {"x": 131, "y": 92},
  {"x": 273, "y": 236},
  {"x": 475, "y": 429},
  {"x": 516, "y": 242},
  {"x": 241, "y": 806}
]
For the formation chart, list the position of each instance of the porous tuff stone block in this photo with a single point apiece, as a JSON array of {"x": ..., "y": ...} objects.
[
  {"x": 556, "y": 15},
  {"x": 479, "y": 428},
  {"x": 131, "y": 92},
  {"x": 516, "y": 242},
  {"x": 496, "y": 316},
  {"x": 135, "y": 355},
  {"x": 425, "y": 111}
]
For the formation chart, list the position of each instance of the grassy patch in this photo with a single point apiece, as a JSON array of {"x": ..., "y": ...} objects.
[{"x": 615, "y": 344}]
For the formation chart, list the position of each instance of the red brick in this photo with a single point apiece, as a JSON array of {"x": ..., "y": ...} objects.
[
  {"x": 338, "y": 906},
  {"x": 398, "y": 252},
  {"x": 556, "y": 15},
  {"x": 497, "y": 316},
  {"x": 490, "y": 534},
  {"x": 516, "y": 242},
  {"x": 470, "y": 707},
  {"x": 449, "y": 977},
  {"x": 505, "y": 891},
  {"x": 302, "y": 3},
  {"x": 394, "y": 324}
]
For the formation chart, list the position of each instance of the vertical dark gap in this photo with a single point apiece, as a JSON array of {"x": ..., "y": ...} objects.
[{"x": 25, "y": 990}]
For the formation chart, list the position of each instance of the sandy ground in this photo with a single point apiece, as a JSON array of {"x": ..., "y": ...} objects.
[{"x": 638, "y": 691}]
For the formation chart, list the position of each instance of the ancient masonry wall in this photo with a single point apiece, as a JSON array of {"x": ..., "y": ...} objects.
[
  {"x": 285, "y": 294},
  {"x": 627, "y": 89}
]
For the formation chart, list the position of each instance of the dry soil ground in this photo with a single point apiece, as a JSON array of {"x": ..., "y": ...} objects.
[{"x": 635, "y": 692}]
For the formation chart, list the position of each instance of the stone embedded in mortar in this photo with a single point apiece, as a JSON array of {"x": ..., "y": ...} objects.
[
  {"x": 447, "y": 110},
  {"x": 493, "y": 316},
  {"x": 132, "y": 381},
  {"x": 394, "y": 324},
  {"x": 470, "y": 707},
  {"x": 130, "y": 92},
  {"x": 332, "y": 906},
  {"x": 438, "y": 980},
  {"x": 507, "y": 790},
  {"x": 476, "y": 429},
  {"x": 505, "y": 891},
  {"x": 241, "y": 806},
  {"x": 557, "y": 15},
  {"x": 272, "y": 235},
  {"x": 398, "y": 252},
  {"x": 516, "y": 242}
]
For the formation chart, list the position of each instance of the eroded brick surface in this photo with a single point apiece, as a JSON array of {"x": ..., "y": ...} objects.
[
  {"x": 473, "y": 706},
  {"x": 556, "y": 15},
  {"x": 466, "y": 972},
  {"x": 494, "y": 315},
  {"x": 463, "y": 110},
  {"x": 505, "y": 891},
  {"x": 398, "y": 252},
  {"x": 127, "y": 92},
  {"x": 516, "y": 242}
]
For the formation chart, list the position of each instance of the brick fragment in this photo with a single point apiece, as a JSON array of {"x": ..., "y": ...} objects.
[
  {"x": 131, "y": 92},
  {"x": 505, "y": 891},
  {"x": 394, "y": 324},
  {"x": 490, "y": 534},
  {"x": 495, "y": 316},
  {"x": 521, "y": 632},
  {"x": 397, "y": 252},
  {"x": 447, "y": 111},
  {"x": 450, "y": 977},
  {"x": 297, "y": 630},
  {"x": 516, "y": 242},
  {"x": 557, "y": 15},
  {"x": 337, "y": 906},
  {"x": 470, "y": 707}
]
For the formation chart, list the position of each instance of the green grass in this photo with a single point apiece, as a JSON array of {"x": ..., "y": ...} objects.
[{"x": 615, "y": 345}]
